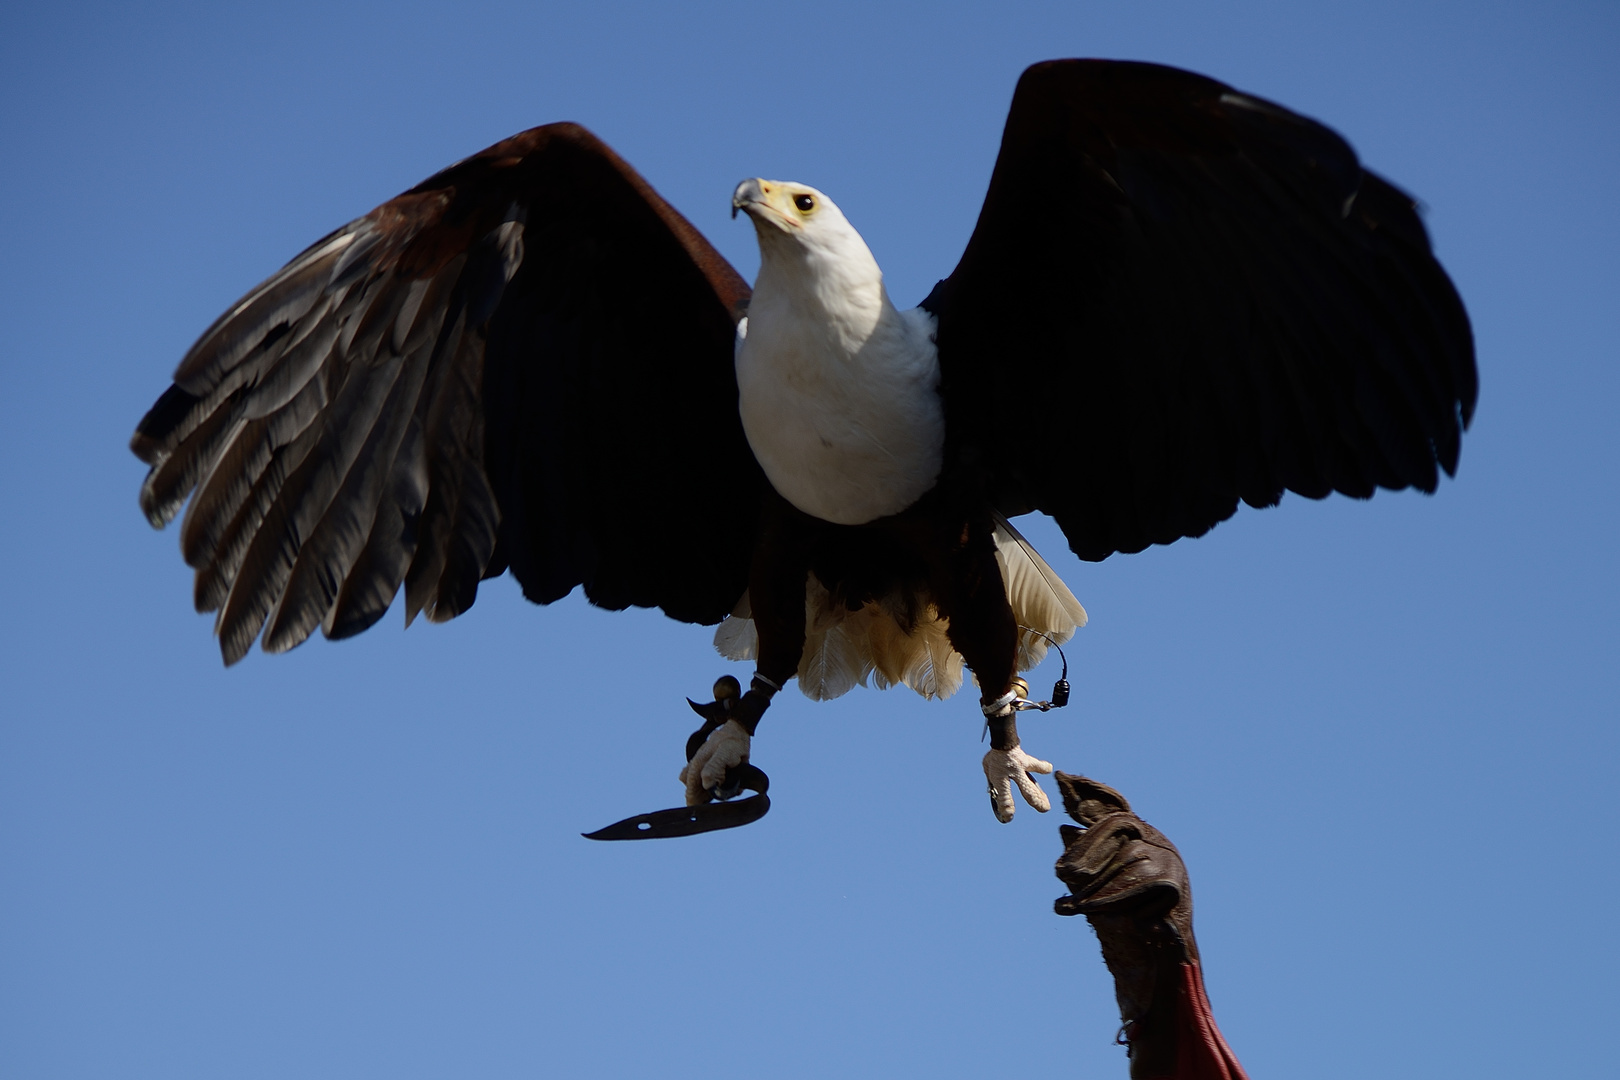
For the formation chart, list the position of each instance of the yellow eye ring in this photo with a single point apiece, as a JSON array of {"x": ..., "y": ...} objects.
[{"x": 805, "y": 203}]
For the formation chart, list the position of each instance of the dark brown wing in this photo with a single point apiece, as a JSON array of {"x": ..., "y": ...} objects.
[
  {"x": 1178, "y": 296},
  {"x": 525, "y": 360}
]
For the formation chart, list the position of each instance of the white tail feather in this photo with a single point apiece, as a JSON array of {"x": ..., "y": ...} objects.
[
  {"x": 834, "y": 659},
  {"x": 844, "y": 649},
  {"x": 1041, "y": 602},
  {"x": 735, "y": 637}
]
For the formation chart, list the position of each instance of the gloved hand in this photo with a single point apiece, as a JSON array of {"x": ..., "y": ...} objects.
[{"x": 1128, "y": 880}]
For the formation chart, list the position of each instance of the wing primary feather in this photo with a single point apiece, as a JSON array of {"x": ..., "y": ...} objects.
[
  {"x": 168, "y": 484},
  {"x": 163, "y": 426},
  {"x": 216, "y": 578},
  {"x": 460, "y": 517},
  {"x": 304, "y": 498},
  {"x": 278, "y": 303},
  {"x": 299, "y": 363},
  {"x": 222, "y": 493},
  {"x": 325, "y": 559},
  {"x": 375, "y": 579}
]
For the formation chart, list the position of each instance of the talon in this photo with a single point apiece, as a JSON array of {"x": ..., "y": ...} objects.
[
  {"x": 705, "y": 775},
  {"x": 730, "y": 785},
  {"x": 1006, "y": 765},
  {"x": 717, "y": 752},
  {"x": 1009, "y": 769}
]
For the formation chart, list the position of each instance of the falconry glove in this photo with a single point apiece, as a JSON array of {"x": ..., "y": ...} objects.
[{"x": 1129, "y": 881}]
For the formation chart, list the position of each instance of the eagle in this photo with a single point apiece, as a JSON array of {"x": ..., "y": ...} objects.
[{"x": 1177, "y": 297}]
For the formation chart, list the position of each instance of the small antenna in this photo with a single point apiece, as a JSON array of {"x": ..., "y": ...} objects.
[{"x": 1060, "y": 690}]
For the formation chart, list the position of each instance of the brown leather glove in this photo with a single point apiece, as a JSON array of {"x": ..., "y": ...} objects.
[{"x": 1129, "y": 881}]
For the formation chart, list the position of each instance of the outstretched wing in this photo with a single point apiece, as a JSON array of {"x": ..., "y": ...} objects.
[
  {"x": 526, "y": 360},
  {"x": 1178, "y": 296}
]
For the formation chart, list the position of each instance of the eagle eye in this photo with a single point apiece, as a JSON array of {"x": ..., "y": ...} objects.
[{"x": 805, "y": 203}]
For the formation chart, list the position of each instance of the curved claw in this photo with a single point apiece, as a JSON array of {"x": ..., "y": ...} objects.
[{"x": 731, "y": 785}]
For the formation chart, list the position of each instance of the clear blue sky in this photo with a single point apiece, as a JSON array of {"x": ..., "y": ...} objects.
[{"x": 1383, "y": 734}]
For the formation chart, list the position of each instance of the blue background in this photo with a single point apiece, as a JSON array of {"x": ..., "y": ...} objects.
[{"x": 1383, "y": 734}]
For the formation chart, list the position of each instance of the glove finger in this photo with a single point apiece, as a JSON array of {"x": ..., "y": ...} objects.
[{"x": 1031, "y": 791}]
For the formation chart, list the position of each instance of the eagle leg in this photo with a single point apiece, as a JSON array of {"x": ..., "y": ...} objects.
[
  {"x": 1007, "y": 766},
  {"x": 966, "y": 582},
  {"x": 717, "y": 753}
]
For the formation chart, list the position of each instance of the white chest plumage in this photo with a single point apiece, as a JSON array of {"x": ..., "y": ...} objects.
[
  {"x": 847, "y": 433},
  {"x": 839, "y": 390}
]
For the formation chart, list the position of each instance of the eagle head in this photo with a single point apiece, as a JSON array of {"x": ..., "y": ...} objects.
[{"x": 805, "y": 238}]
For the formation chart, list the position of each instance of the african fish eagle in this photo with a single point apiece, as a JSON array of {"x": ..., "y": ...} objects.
[{"x": 1215, "y": 299}]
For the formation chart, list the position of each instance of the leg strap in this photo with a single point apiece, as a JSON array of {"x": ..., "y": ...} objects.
[
  {"x": 1000, "y": 705},
  {"x": 754, "y": 703}
]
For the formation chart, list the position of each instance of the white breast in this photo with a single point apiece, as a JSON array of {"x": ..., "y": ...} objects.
[{"x": 846, "y": 421}]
